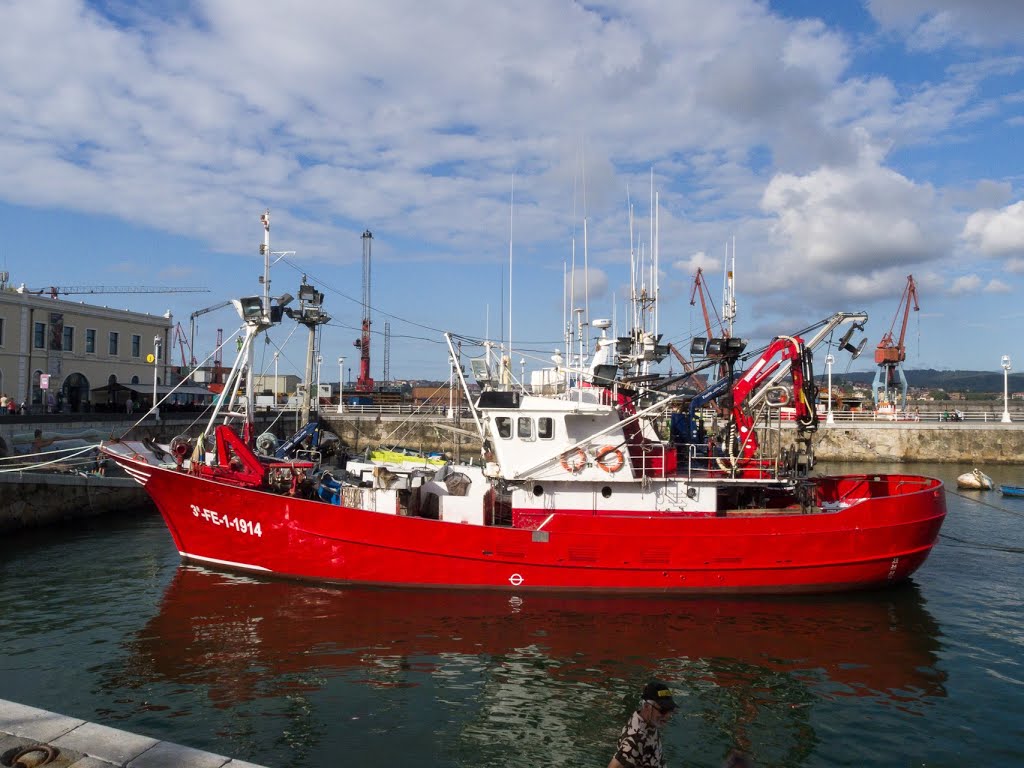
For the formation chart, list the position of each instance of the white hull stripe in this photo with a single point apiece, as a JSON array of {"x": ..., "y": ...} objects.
[
  {"x": 139, "y": 476},
  {"x": 224, "y": 562}
]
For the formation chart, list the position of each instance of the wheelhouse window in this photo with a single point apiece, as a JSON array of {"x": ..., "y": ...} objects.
[
  {"x": 39, "y": 336},
  {"x": 112, "y": 344},
  {"x": 90, "y": 340},
  {"x": 524, "y": 428},
  {"x": 69, "y": 338},
  {"x": 136, "y": 345},
  {"x": 504, "y": 426},
  {"x": 545, "y": 428}
]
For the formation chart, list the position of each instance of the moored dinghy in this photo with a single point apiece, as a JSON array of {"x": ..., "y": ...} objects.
[
  {"x": 975, "y": 480},
  {"x": 1012, "y": 490}
]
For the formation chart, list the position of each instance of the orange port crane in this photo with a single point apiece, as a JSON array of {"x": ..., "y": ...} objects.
[{"x": 889, "y": 355}]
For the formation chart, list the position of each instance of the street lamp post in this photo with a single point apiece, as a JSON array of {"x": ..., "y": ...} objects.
[
  {"x": 156, "y": 362},
  {"x": 341, "y": 385},
  {"x": 829, "y": 360},
  {"x": 1005, "y": 361}
]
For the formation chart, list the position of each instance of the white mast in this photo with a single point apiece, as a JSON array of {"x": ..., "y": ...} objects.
[
  {"x": 511, "y": 212},
  {"x": 729, "y": 289}
]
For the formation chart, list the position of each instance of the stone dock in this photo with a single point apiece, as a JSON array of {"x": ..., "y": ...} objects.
[
  {"x": 47, "y": 738},
  {"x": 974, "y": 442}
]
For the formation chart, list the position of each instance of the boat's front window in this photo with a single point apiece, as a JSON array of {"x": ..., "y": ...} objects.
[
  {"x": 525, "y": 428},
  {"x": 504, "y": 426},
  {"x": 545, "y": 428}
]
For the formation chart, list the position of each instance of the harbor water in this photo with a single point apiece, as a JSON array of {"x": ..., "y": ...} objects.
[{"x": 100, "y": 621}]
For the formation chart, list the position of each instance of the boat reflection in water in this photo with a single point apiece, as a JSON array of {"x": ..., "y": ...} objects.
[{"x": 754, "y": 668}]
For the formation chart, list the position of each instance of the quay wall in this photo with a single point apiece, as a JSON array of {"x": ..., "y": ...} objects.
[
  {"x": 924, "y": 441},
  {"x": 932, "y": 442},
  {"x": 957, "y": 443},
  {"x": 49, "y": 738}
]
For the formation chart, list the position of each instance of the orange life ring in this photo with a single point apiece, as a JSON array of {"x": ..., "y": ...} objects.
[
  {"x": 610, "y": 459},
  {"x": 574, "y": 461}
]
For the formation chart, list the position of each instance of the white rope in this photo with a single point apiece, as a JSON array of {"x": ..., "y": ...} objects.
[{"x": 71, "y": 453}]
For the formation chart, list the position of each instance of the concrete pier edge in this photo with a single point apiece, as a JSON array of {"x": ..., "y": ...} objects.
[{"x": 83, "y": 744}]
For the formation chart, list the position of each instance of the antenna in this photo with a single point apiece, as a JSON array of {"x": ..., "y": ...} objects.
[{"x": 511, "y": 213}]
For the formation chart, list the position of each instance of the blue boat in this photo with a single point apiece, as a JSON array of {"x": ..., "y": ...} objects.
[{"x": 1011, "y": 490}]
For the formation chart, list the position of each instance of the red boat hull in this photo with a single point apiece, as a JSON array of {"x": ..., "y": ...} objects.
[{"x": 880, "y": 540}]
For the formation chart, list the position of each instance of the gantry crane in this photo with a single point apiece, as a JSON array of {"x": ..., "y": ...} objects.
[{"x": 889, "y": 355}]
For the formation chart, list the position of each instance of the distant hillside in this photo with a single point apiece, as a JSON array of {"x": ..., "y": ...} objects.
[{"x": 949, "y": 381}]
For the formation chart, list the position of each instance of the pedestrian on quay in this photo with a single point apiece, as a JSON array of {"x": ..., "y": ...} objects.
[
  {"x": 3, "y": 404},
  {"x": 639, "y": 743},
  {"x": 12, "y": 407},
  {"x": 129, "y": 406}
]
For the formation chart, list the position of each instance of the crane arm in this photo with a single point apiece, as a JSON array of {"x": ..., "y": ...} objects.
[
  {"x": 909, "y": 293},
  {"x": 56, "y": 290},
  {"x": 700, "y": 288}
]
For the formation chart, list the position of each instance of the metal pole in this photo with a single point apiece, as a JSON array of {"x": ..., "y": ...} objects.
[
  {"x": 319, "y": 362},
  {"x": 1005, "y": 361},
  {"x": 830, "y": 419},
  {"x": 341, "y": 385},
  {"x": 276, "y": 355}
]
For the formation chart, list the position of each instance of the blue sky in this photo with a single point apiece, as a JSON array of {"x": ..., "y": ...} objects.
[{"x": 843, "y": 145}]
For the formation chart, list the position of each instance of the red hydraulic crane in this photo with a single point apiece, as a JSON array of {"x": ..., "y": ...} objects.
[
  {"x": 889, "y": 355},
  {"x": 365, "y": 383}
]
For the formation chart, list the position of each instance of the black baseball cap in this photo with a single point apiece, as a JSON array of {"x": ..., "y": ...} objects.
[{"x": 660, "y": 695}]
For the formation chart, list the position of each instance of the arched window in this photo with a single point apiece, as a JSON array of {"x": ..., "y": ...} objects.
[
  {"x": 76, "y": 392},
  {"x": 135, "y": 379}
]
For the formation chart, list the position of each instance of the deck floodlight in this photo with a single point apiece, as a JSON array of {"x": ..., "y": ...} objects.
[
  {"x": 307, "y": 293},
  {"x": 249, "y": 308},
  {"x": 604, "y": 375},
  {"x": 715, "y": 346},
  {"x": 735, "y": 345},
  {"x": 285, "y": 299},
  {"x": 698, "y": 347}
]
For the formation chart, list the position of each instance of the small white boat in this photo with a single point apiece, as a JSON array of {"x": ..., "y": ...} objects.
[{"x": 975, "y": 480}]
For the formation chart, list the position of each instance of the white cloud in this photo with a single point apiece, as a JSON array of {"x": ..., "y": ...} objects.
[
  {"x": 965, "y": 284},
  {"x": 997, "y": 232},
  {"x": 698, "y": 260},
  {"x": 853, "y": 219},
  {"x": 932, "y": 24},
  {"x": 995, "y": 285}
]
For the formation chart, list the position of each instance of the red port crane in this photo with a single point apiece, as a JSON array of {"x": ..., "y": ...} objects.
[
  {"x": 365, "y": 383},
  {"x": 889, "y": 355}
]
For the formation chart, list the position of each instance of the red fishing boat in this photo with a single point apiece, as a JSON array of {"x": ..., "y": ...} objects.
[{"x": 596, "y": 479}]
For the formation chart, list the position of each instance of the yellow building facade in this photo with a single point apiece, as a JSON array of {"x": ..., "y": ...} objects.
[{"x": 54, "y": 353}]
